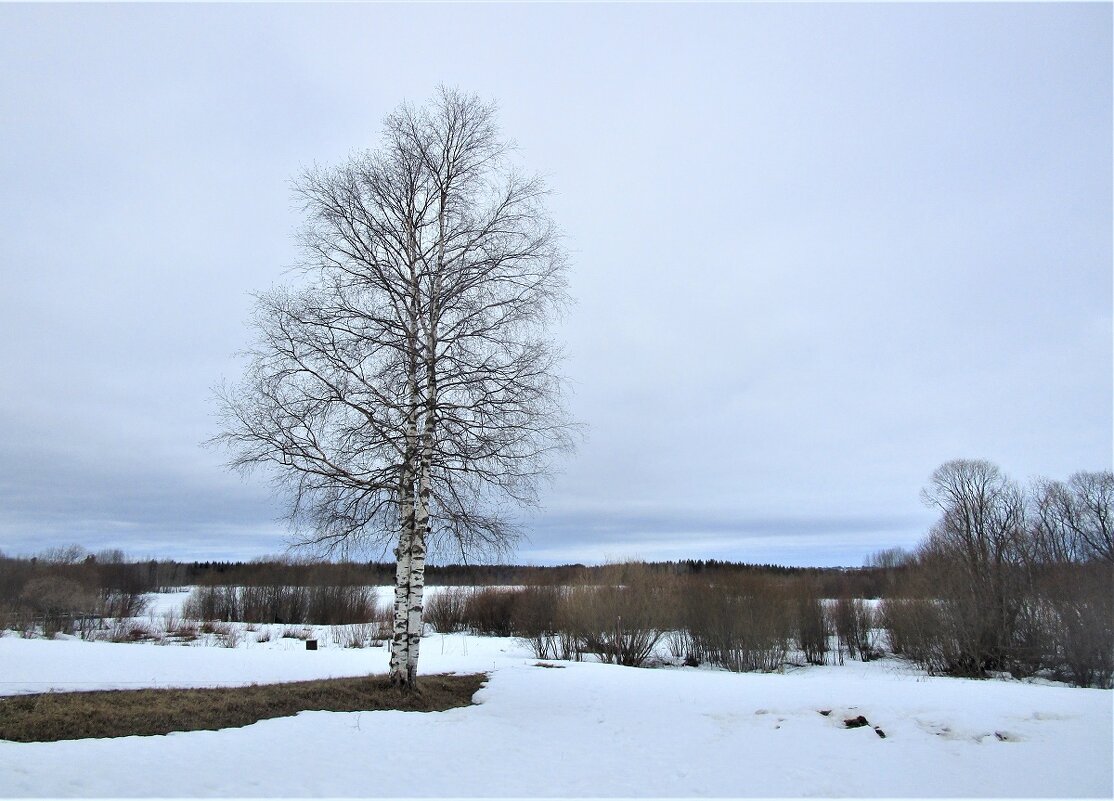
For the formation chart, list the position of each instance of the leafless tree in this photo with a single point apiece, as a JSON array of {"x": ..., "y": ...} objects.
[
  {"x": 889, "y": 558},
  {"x": 409, "y": 392},
  {"x": 977, "y": 547},
  {"x": 1074, "y": 521},
  {"x": 1072, "y": 559},
  {"x": 1094, "y": 502}
]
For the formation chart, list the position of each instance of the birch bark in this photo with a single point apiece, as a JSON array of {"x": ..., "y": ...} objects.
[{"x": 410, "y": 552}]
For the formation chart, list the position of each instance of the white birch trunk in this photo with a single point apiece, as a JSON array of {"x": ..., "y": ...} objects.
[
  {"x": 409, "y": 591},
  {"x": 410, "y": 579},
  {"x": 410, "y": 573},
  {"x": 400, "y": 641},
  {"x": 401, "y": 671},
  {"x": 407, "y": 628}
]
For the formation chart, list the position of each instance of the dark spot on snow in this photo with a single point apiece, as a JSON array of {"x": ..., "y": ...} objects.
[
  {"x": 824, "y": 712},
  {"x": 855, "y": 723},
  {"x": 879, "y": 732}
]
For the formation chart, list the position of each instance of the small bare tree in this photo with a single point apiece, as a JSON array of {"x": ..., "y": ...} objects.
[{"x": 410, "y": 390}]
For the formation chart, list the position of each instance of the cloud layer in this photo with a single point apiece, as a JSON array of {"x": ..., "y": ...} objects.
[{"x": 818, "y": 250}]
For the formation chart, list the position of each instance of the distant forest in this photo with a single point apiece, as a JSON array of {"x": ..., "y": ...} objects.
[{"x": 111, "y": 570}]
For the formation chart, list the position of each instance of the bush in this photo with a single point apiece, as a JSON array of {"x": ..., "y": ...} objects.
[
  {"x": 491, "y": 611},
  {"x": 129, "y": 630},
  {"x": 382, "y": 624},
  {"x": 57, "y": 602},
  {"x": 229, "y": 636},
  {"x": 213, "y": 603},
  {"x": 322, "y": 605},
  {"x": 537, "y": 620},
  {"x": 354, "y": 635},
  {"x": 617, "y": 624},
  {"x": 917, "y": 631},
  {"x": 445, "y": 609},
  {"x": 1081, "y": 606},
  {"x": 123, "y": 603},
  {"x": 854, "y": 623},
  {"x": 18, "y": 617},
  {"x": 184, "y": 631},
  {"x": 744, "y": 626},
  {"x": 813, "y": 627},
  {"x": 297, "y": 633}
]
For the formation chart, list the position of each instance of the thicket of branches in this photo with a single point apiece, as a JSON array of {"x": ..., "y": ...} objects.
[
  {"x": 1011, "y": 578},
  {"x": 740, "y": 621},
  {"x": 67, "y": 588}
]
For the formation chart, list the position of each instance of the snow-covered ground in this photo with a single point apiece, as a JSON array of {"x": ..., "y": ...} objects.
[{"x": 582, "y": 729}]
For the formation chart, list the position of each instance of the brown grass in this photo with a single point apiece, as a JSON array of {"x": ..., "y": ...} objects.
[{"x": 48, "y": 717}]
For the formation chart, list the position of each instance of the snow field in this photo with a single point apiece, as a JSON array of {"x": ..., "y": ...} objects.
[{"x": 581, "y": 729}]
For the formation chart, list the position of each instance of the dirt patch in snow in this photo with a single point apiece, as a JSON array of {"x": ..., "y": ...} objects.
[{"x": 47, "y": 717}]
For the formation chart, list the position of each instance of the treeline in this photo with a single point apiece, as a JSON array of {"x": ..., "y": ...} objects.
[{"x": 112, "y": 570}]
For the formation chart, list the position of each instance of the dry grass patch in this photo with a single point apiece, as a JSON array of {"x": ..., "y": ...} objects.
[{"x": 47, "y": 717}]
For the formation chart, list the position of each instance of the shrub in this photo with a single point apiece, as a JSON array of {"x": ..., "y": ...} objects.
[
  {"x": 382, "y": 624},
  {"x": 231, "y": 636},
  {"x": 184, "y": 631},
  {"x": 321, "y": 605},
  {"x": 130, "y": 630},
  {"x": 682, "y": 646},
  {"x": 917, "y": 630},
  {"x": 445, "y": 610},
  {"x": 537, "y": 618},
  {"x": 1082, "y": 624},
  {"x": 213, "y": 603},
  {"x": 297, "y": 633},
  {"x": 491, "y": 611},
  {"x": 18, "y": 617},
  {"x": 619, "y": 624},
  {"x": 747, "y": 626},
  {"x": 118, "y": 603},
  {"x": 813, "y": 627},
  {"x": 334, "y": 605},
  {"x": 354, "y": 635},
  {"x": 57, "y": 601},
  {"x": 854, "y": 623}
]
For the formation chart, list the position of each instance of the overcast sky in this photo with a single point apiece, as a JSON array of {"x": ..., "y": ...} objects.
[{"x": 817, "y": 251}]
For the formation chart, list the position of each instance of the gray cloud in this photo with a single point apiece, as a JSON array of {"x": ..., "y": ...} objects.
[{"x": 818, "y": 250}]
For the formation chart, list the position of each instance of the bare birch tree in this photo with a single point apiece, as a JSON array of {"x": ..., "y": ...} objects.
[{"x": 409, "y": 391}]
